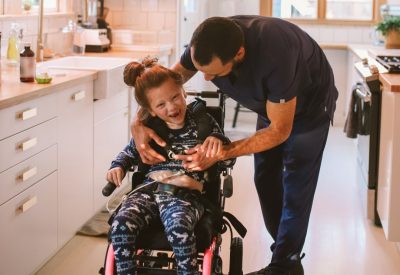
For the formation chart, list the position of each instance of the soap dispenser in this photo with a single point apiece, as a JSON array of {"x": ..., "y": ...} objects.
[{"x": 12, "y": 50}]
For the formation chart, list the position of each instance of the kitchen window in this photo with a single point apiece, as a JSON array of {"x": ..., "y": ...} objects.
[
  {"x": 33, "y": 5},
  {"x": 323, "y": 10}
]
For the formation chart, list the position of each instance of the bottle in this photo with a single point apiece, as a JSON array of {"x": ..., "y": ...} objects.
[
  {"x": 12, "y": 50},
  {"x": 27, "y": 64}
]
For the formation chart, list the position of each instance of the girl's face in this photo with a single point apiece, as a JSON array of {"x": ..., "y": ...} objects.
[{"x": 168, "y": 103}]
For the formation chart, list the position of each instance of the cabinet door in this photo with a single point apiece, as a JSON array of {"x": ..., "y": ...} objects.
[
  {"x": 388, "y": 202},
  {"x": 28, "y": 225},
  {"x": 75, "y": 159},
  {"x": 110, "y": 137}
]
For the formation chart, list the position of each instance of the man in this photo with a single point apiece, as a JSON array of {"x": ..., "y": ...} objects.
[{"x": 275, "y": 69}]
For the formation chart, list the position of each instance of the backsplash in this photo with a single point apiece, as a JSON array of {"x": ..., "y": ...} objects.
[{"x": 157, "y": 17}]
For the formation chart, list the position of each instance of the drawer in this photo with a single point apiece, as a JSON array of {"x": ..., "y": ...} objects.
[
  {"x": 27, "y": 143},
  {"x": 18, "y": 178},
  {"x": 28, "y": 225},
  {"x": 75, "y": 96},
  {"x": 20, "y": 117}
]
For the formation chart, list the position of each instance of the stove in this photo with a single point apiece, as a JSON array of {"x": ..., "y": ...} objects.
[{"x": 391, "y": 63}]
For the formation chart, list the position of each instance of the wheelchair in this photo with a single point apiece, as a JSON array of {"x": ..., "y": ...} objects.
[{"x": 153, "y": 252}]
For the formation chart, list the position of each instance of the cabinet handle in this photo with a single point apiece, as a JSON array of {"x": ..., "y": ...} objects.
[
  {"x": 29, "y": 204},
  {"x": 28, "y": 114},
  {"x": 28, "y": 174},
  {"x": 28, "y": 144},
  {"x": 78, "y": 96}
]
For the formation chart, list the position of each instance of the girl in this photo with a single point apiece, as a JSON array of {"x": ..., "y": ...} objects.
[{"x": 159, "y": 92}]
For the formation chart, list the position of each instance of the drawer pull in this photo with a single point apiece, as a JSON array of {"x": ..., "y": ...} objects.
[
  {"x": 29, "y": 204},
  {"x": 28, "y": 114},
  {"x": 28, "y": 144},
  {"x": 28, "y": 174},
  {"x": 79, "y": 96}
]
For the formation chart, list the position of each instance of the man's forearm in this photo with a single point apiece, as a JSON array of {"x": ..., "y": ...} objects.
[{"x": 262, "y": 140}]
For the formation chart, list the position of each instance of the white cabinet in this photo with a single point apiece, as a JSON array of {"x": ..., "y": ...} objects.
[
  {"x": 75, "y": 159},
  {"x": 28, "y": 185},
  {"x": 389, "y": 164},
  {"x": 29, "y": 228},
  {"x": 111, "y": 135}
]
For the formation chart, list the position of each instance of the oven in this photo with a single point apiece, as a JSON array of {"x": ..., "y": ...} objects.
[{"x": 367, "y": 93}]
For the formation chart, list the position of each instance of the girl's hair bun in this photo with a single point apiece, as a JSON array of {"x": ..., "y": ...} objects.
[{"x": 134, "y": 70}]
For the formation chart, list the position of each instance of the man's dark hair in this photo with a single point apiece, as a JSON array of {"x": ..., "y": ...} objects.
[{"x": 216, "y": 36}]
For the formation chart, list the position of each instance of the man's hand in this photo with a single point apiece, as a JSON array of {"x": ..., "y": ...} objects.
[
  {"x": 196, "y": 159},
  {"x": 142, "y": 135},
  {"x": 115, "y": 175},
  {"x": 212, "y": 146}
]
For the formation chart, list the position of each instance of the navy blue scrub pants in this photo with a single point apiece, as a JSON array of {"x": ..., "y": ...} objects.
[{"x": 286, "y": 178}]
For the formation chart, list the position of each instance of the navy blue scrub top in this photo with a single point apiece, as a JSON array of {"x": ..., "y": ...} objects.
[{"x": 281, "y": 62}]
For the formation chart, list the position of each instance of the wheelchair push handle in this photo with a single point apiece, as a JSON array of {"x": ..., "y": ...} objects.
[
  {"x": 108, "y": 189},
  {"x": 204, "y": 94}
]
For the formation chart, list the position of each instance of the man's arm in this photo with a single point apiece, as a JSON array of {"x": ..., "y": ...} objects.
[
  {"x": 281, "y": 116},
  {"x": 186, "y": 74}
]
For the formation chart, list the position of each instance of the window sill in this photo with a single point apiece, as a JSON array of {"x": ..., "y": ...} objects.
[{"x": 34, "y": 14}]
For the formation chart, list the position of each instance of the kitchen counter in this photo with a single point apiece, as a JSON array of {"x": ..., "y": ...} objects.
[{"x": 13, "y": 91}]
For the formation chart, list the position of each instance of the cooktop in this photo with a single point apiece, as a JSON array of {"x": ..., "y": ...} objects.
[{"x": 392, "y": 63}]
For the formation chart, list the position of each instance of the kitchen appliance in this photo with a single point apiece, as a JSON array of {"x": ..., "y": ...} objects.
[
  {"x": 93, "y": 33},
  {"x": 368, "y": 94},
  {"x": 93, "y": 40},
  {"x": 391, "y": 63}
]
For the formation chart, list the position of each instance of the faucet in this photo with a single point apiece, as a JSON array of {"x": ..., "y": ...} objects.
[{"x": 39, "y": 48}]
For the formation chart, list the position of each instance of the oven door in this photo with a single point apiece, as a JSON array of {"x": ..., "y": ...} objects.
[{"x": 368, "y": 96}]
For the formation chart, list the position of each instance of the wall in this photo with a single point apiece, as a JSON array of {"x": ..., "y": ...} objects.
[{"x": 156, "y": 18}]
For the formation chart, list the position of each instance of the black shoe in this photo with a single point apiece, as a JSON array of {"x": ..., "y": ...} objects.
[
  {"x": 296, "y": 269},
  {"x": 270, "y": 270}
]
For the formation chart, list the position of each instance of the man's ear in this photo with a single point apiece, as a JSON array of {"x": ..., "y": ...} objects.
[
  {"x": 184, "y": 93},
  {"x": 240, "y": 54}
]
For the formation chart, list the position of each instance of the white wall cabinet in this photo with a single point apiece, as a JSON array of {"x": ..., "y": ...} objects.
[
  {"x": 111, "y": 135},
  {"x": 75, "y": 159}
]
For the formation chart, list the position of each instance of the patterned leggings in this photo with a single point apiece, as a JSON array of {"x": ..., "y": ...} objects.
[{"x": 179, "y": 218}]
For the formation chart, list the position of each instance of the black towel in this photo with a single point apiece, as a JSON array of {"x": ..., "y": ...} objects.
[{"x": 358, "y": 117}]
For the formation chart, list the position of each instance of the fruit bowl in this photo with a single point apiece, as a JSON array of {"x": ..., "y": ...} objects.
[{"x": 43, "y": 78}]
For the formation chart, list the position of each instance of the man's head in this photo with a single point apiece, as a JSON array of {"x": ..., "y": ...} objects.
[{"x": 217, "y": 45}]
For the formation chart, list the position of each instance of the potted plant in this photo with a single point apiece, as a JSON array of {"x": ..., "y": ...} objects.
[{"x": 390, "y": 29}]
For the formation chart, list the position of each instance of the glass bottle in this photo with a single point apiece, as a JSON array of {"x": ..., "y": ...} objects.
[
  {"x": 27, "y": 64},
  {"x": 12, "y": 50}
]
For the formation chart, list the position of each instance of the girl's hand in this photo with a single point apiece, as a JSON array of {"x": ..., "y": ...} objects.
[
  {"x": 212, "y": 147},
  {"x": 115, "y": 175}
]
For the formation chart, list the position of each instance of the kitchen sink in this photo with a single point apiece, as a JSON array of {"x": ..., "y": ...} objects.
[{"x": 109, "y": 71}]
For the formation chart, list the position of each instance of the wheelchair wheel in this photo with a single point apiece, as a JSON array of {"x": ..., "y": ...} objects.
[
  {"x": 236, "y": 257},
  {"x": 109, "y": 267}
]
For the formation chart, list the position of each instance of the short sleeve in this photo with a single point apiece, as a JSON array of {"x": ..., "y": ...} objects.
[
  {"x": 288, "y": 73},
  {"x": 186, "y": 60}
]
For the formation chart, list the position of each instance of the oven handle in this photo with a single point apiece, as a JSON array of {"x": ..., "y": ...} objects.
[{"x": 364, "y": 95}]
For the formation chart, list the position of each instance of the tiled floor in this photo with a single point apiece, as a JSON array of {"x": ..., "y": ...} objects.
[{"x": 340, "y": 240}]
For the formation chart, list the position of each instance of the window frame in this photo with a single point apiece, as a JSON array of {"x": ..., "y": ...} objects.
[{"x": 266, "y": 10}]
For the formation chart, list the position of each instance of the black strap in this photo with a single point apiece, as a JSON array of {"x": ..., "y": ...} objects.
[{"x": 239, "y": 227}]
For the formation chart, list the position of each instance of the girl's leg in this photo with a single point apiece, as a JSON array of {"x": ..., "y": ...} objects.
[
  {"x": 135, "y": 214},
  {"x": 179, "y": 218}
]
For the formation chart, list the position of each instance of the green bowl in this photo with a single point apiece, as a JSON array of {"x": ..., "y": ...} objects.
[{"x": 43, "y": 80}]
